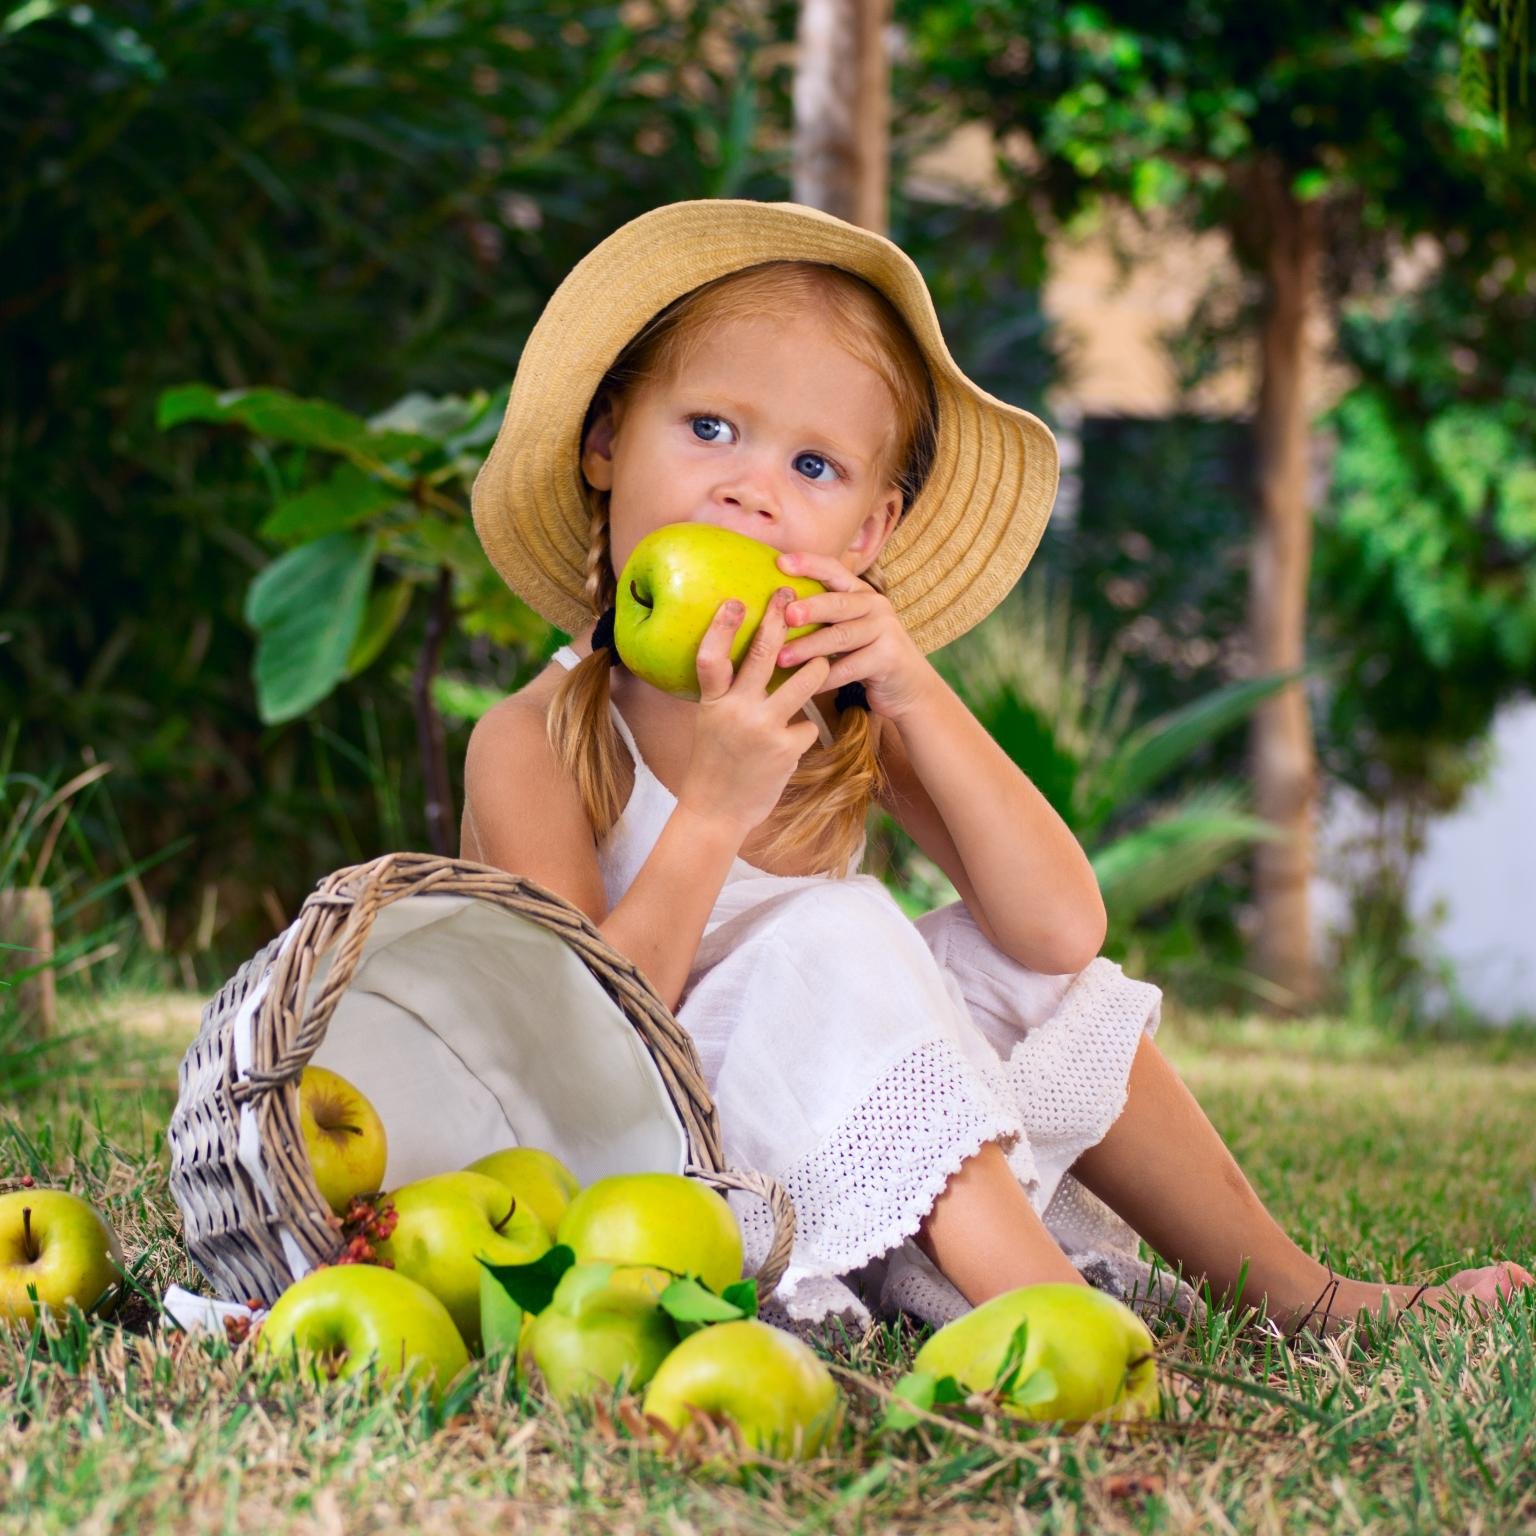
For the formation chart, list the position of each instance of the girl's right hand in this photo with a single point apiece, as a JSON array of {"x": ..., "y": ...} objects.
[{"x": 746, "y": 740}]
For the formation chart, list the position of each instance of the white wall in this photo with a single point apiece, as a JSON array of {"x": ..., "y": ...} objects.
[{"x": 1481, "y": 861}]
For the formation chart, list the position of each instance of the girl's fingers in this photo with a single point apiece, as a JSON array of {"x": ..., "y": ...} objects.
[
  {"x": 713, "y": 663},
  {"x": 831, "y": 640},
  {"x": 802, "y": 685},
  {"x": 758, "y": 664}
]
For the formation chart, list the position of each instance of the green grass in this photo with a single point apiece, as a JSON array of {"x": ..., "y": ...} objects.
[{"x": 1397, "y": 1161}]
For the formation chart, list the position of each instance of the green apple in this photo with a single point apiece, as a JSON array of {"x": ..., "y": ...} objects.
[
  {"x": 767, "y": 1382},
  {"x": 445, "y": 1224},
  {"x": 57, "y": 1242},
  {"x": 671, "y": 588},
  {"x": 595, "y": 1335},
  {"x": 663, "y": 1219},
  {"x": 539, "y": 1180},
  {"x": 1098, "y": 1351},
  {"x": 351, "y": 1314},
  {"x": 344, "y": 1135}
]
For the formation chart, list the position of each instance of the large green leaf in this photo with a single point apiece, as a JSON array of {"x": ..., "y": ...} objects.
[
  {"x": 1174, "y": 850},
  {"x": 1157, "y": 748},
  {"x": 387, "y": 606},
  {"x": 344, "y": 499},
  {"x": 306, "y": 608},
  {"x": 287, "y": 418}
]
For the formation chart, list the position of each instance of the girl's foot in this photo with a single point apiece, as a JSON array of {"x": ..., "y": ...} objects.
[{"x": 1342, "y": 1299}]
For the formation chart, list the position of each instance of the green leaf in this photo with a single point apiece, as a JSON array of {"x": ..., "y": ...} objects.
[
  {"x": 743, "y": 1294},
  {"x": 501, "y": 1318},
  {"x": 387, "y": 606},
  {"x": 1013, "y": 1359},
  {"x": 348, "y": 497},
  {"x": 1157, "y": 183},
  {"x": 1182, "y": 845},
  {"x": 459, "y": 698},
  {"x": 1307, "y": 186},
  {"x": 582, "y": 1284},
  {"x": 306, "y": 608},
  {"x": 924, "y": 1390},
  {"x": 917, "y": 1388},
  {"x": 287, "y": 418},
  {"x": 1157, "y": 748},
  {"x": 443, "y": 418},
  {"x": 692, "y": 1305},
  {"x": 1040, "y": 1386},
  {"x": 532, "y": 1285}
]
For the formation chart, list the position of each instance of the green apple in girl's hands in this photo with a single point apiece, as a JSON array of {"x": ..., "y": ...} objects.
[
  {"x": 672, "y": 587},
  {"x": 1085, "y": 1355}
]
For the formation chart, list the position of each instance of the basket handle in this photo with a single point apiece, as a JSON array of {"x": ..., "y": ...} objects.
[
  {"x": 320, "y": 916},
  {"x": 771, "y": 1270}
]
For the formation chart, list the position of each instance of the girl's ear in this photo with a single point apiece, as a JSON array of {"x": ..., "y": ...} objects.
[
  {"x": 597, "y": 449},
  {"x": 875, "y": 530}
]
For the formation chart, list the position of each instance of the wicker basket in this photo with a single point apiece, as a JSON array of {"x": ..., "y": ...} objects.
[{"x": 476, "y": 1010}]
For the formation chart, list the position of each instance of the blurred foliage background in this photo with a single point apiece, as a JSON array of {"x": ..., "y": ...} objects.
[{"x": 369, "y": 202}]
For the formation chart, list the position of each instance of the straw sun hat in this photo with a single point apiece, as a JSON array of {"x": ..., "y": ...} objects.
[{"x": 952, "y": 557}]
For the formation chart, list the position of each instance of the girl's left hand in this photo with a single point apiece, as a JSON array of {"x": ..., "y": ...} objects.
[{"x": 861, "y": 630}]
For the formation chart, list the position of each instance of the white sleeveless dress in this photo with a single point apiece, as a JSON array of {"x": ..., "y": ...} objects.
[{"x": 860, "y": 1057}]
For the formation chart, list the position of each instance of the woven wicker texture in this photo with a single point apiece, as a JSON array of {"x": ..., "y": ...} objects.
[{"x": 232, "y": 1226}]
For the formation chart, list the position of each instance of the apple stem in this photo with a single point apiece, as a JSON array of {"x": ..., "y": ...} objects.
[
  {"x": 26, "y": 1234},
  {"x": 508, "y": 1217}
]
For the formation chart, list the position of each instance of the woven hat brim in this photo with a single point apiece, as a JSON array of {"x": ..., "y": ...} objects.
[{"x": 956, "y": 553}]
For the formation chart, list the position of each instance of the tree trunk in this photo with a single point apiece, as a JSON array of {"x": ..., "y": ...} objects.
[
  {"x": 26, "y": 921},
  {"x": 842, "y": 110},
  {"x": 1283, "y": 759}
]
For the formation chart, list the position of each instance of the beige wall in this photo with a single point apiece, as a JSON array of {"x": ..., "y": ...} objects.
[{"x": 1119, "y": 292}]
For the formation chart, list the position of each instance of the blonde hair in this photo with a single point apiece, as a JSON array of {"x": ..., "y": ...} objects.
[{"x": 821, "y": 815}]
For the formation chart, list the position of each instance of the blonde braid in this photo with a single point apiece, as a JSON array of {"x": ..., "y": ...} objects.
[{"x": 580, "y": 723}]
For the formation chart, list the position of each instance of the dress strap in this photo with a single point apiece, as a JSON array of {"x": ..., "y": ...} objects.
[{"x": 820, "y": 722}]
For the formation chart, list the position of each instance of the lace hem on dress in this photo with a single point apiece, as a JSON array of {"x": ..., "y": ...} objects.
[{"x": 864, "y": 1190}]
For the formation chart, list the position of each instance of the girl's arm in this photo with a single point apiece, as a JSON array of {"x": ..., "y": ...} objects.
[
  {"x": 968, "y": 806},
  {"x": 523, "y": 815}
]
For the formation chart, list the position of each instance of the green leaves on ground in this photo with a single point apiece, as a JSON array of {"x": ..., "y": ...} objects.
[
  {"x": 509, "y": 1290},
  {"x": 922, "y": 1389}
]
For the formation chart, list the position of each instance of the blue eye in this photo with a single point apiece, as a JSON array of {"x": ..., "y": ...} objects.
[
  {"x": 694, "y": 421},
  {"x": 820, "y": 460}
]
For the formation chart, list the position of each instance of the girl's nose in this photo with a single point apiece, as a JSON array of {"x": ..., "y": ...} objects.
[{"x": 749, "y": 496}]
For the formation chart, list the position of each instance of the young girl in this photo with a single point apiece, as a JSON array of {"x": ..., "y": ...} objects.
[{"x": 956, "y": 1106}]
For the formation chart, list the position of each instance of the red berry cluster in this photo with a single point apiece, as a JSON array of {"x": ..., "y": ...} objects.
[
  {"x": 366, "y": 1222},
  {"x": 238, "y": 1329}
]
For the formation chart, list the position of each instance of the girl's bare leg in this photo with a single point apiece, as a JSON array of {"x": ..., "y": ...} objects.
[
  {"x": 984, "y": 1235},
  {"x": 1165, "y": 1170}
]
